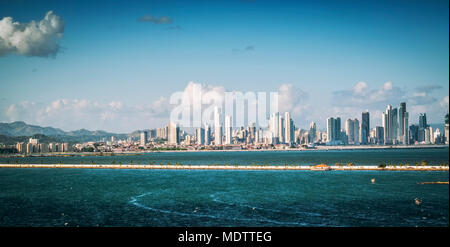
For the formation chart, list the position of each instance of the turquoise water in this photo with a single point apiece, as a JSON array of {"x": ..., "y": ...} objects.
[
  {"x": 435, "y": 156},
  {"x": 94, "y": 197}
]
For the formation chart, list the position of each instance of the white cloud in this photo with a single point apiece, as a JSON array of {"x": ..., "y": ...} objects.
[
  {"x": 292, "y": 99},
  {"x": 31, "y": 39}
]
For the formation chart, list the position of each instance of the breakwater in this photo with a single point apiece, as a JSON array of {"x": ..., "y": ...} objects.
[{"x": 228, "y": 167}]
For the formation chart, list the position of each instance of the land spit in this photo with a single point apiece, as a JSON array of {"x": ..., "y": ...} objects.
[{"x": 229, "y": 167}]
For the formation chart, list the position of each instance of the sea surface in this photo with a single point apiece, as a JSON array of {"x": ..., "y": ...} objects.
[{"x": 127, "y": 197}]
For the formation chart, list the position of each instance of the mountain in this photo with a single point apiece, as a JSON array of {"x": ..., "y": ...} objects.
[
  {"x": 11, "y": 131},
  {"x": 20, "y": 128}
]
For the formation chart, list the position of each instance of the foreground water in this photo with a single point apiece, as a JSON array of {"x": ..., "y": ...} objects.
[
  {"x": 434, "y": 156},
  {"x": 89, "y": 197}
]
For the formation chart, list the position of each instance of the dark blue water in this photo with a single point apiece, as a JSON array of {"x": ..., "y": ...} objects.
[
  {"x": 91, "y": 197},
  {"x": 435, "y": 156}
]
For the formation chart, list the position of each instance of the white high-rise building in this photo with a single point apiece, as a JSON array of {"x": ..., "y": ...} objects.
[
  {"x": 218, "y": 126},
  {"x": 200, "y": 135},
  {"x": 228, "y": 130},
  {"x": 174, "y": 134},
  {"x": 390, "y": 125},
  {"x": 289, "y": 128},
  {"x": 281, "y": 130},
  {"x": 273, "y": 124},
  {"x": 143, "y": 140},
  {"x": 349, "y": 130}
]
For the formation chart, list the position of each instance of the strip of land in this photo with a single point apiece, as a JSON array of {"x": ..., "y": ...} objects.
[{"x": 229, "y": 167}]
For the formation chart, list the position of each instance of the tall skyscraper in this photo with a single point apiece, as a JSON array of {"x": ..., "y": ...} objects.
[
  {"x": 143, "y": 138},
  {"x": 365, "y": 127},
  {"x": 356, "y": 128},
  {"x": 390, "y": 125},
  {"x": 228, "y": 130},
  {"x": 333, "y": 130},
  {"x": 446, "y": 129},
  {"x": 330, "y": 129},
  {"x": 174, "y": 134},
  {"x": 405, "y": 128},
  {"x": 281, "y": 129},
  {"x": 273, "y": 126},
  {"x": 379, "y": 135},
  {"x": 207, "y": 134},
  {"x": 217, "y": 126},
  {"x": 200, "y": 135},
  {"x": 337, "y": 130},
  {"x": 349, "y": 131},
  {"x": 403, "y": 125},
  {"x": 423, "y": 121},
  {"x": 312, "y": 132},
  {"x": 289, "y": 125}
]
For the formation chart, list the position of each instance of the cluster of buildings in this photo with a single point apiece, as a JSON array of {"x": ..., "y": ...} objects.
[
  {"x": 281, "y": 133},
  {"x": 33, "y": 146},
  {"x": 395, "y": 130}
]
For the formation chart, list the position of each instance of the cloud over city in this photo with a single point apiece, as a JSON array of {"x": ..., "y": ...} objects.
[{"x": 35, "y": 38}]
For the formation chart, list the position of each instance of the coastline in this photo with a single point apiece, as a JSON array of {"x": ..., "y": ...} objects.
[
  {"x": 317, "y": 148},
  {"x": 228, "y": 167}
]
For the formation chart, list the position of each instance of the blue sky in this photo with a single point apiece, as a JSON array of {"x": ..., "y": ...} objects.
[{"x": 323, "y": 49}]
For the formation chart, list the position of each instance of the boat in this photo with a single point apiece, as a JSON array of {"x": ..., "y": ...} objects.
[
  {"x": 417, "y": 201},
  {"x": 321, "y": 167}
]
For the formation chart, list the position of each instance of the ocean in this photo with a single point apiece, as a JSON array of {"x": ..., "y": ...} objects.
[{"x": 127, "y": 197}]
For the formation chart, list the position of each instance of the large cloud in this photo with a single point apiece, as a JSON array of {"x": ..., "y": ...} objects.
[
  {"x": 361, "y": 94},
  {"x": 31, "y": 39}
]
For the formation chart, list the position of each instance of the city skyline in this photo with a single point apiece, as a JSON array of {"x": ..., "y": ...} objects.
[{"x": 120, "y": 65}]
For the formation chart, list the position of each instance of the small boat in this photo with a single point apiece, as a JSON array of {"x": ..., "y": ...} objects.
[
  {"x": 373, "y": 180},
  {"x": 417, "y": 201}
]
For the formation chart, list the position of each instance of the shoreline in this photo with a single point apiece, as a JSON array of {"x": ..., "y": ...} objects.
[
  {"x": 228, "y": 167},
  {"x": 317, "y": 148}
]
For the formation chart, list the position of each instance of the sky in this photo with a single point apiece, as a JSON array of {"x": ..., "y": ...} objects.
[{"x": 113, "y": 65}]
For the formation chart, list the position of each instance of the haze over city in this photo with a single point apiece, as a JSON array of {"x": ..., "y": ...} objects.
[{"x": 113, "y": 66}]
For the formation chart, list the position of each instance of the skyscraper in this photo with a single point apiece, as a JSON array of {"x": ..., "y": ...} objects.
[
  {"x": 174, "y": 134},
  {"x": 337, "y": 130},
  {"x": 200, "y": 135},
  {"x": 273, "y": 126},
  {"x": 365, "y": 127},
  {"x": 330, "y": 129},
  {"x": 356, "y": 131},
  {"x": 312, "y": 132},
  {"x": 333, "y": 130},
  {"x": 403, "y": 128},
  {"x": 423, "y": 121},
  {"x": 289, "y": 124},
  {"x": 349, "y": 130},
  {"x": 281, "y": 129},
  {"x": 228, "y": 130},
  {"x": 379, "y": 135},
  {"x": 390, "y": 125},
  {"x": 143, "y": 138},
  {"x": 207, "y": 134},
  {"x": 446, "y": 129},
  {"x": 218, "y": 126}
]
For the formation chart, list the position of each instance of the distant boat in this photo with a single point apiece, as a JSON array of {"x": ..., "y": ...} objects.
[
  {"x": 417, "y": 201},
  {"x": 321, "y": 167},
  {"x": 373, "y": 180}
]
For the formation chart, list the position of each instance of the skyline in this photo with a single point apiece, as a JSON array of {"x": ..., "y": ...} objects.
[{"x": 325, "y": 59}]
